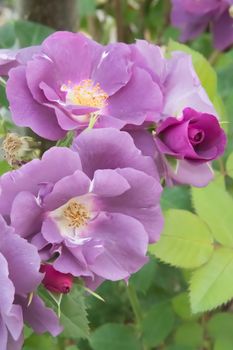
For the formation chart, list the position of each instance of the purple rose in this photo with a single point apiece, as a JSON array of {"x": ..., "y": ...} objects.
[
  {"x": 19, "y": 276},
  {"x": 181, "y": 88},
  {"x": 193, "y": 17},
  {"x": 98, "y": 212},
  {"x": 74, "y": 79},
  {"x": 195, "y": 137},
  {"x": 176, "y": 77}
]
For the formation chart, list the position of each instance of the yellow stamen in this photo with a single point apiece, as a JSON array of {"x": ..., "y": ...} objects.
[
  {"x": 30, "y": 297},
  {"x": 85, "y": 94},
  {"x": 76, "y": 214},
  {"x": 231, "y": 11}
]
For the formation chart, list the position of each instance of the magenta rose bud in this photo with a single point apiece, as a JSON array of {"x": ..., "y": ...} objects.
[
  {"x": 195, "y": 137},
  {"x": 55, "y": 281}
]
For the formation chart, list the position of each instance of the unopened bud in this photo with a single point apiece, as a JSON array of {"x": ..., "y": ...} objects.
[
  {"x": 19, "y": 150},
  {"x": 55, "y": 281}
]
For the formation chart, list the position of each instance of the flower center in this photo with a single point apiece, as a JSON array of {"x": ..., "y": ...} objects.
[
  {"x": 76, "y": 214},
  {"x": 231, "y": 11},
  {"x": 196, "y": 136},
  {"x": 86, "y": 93}
]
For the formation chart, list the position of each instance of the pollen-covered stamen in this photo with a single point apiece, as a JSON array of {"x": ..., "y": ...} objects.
[
  {"x": 86, "y": 93},
  {"x": 76, "y": 214},
  {"x": 231, "y": 11}
]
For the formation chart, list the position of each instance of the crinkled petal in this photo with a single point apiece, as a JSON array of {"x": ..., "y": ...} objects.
[
  {"x": 26, "y": 111},
  {"x": 3, "y": 335},
  {"x": 141, "y": 201},
  {"x": 14, "y": 321},
  {"x": 72, "y": 261},
  {"x": 114, "y": 68},
  {"x": 31, "y": 175},
  {"x": 26, "y": 214},
  {"x": 68, "y": 187},
  {"x": 144, "y": 95},
  {"x": 110, "y": 149},
  {"x": 73, "y": 54},
  {"x": 23, "y": 262},
  {"x": 125, "y": 245},
  {"x": 39, "y": 317},
  {"x": 223, "y": 31},
  {"x": 7, "y": 287},
  {"x": 108, "y": 183},
  {"x": 150, "y": 58},
  {"x": 15, "y": 344},
  {"x": 198, "y": 175},
  {"x": 183, "y": 88}
]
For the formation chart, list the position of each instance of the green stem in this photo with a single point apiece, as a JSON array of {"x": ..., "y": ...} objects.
[
  {"x": 2, "y": 82},
  {"x": 213, "y": 59},
  {"x": 221, "y": 166},
  {"x": 133, "y": 298}
]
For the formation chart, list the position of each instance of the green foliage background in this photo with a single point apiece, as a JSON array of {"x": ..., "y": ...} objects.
[{"x": 182, "y": 299}]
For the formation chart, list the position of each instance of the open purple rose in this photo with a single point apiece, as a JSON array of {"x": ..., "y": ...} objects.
[
  {"x": 19, "y": 276},
  {"x": 73, "y": 79},
  {"x": 181, "y": 88},
  {"x": 98, "y": 212},
  {"x": 195, "y": 136},
  {"x": 193, "y": 17}
]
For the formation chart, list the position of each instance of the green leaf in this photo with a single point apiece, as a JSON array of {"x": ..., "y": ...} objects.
[
  {"x": 23, "y": 33},
  {"x": 185, "y": 242},
  {"x": 4, "y": 167},
  {"x": 215, "y": 206},
  {"x": 73, "y": 313},
  {"x": 229, "y": 165},
  {"x": 30, "y": 33},
  {"x": 223, "y": 344},
  {"x": 67, "y": 140},
  {"x": 72, "y": 347},
  {"x": 176, "y": 197},
  {"x": 181, "y": 306},
  {"x": 7, "y": 35},
  {"x": 221, "y": 325},
  {"x": 158, "y": 324},
  {"x": 27, "y": 332},
  {"x": 39, "y": 342},
  {"x": 3, "y": 98},
  {"x": 205, "y": 71},
  {"x": 115, "y": 337},
  {"x": 211, "y": 285},
  {"x": 181, "y": 347},
  {"x": 190, "y": 333},
  {"x": 86, "y": 7},
  {"x": 143, "y": 279}
]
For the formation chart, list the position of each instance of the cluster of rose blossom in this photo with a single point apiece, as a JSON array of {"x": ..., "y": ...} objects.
[
  {"x": 89, "y": 211},
  {"x": 194, "y": 16}
]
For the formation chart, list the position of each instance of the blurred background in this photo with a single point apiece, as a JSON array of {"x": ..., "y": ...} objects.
[{"x": 154, "y": 312}]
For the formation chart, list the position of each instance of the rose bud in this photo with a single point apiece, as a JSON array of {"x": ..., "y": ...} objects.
[
  {"x": 195, "y": 136},
  {"x": 55, "y": 281}
]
